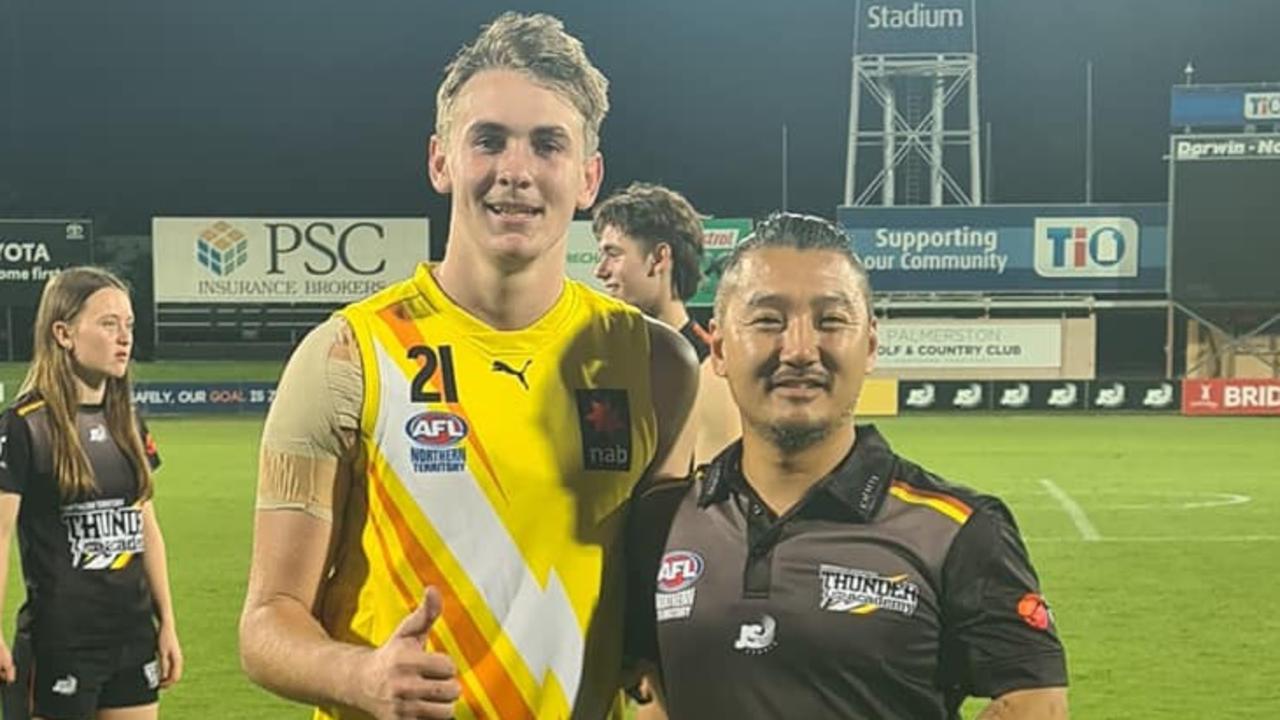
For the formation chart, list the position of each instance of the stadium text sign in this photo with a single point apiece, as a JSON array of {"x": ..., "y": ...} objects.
[
  {"x": 1233, "y": 396},
  {"x": 913, "y": 26},
  {"x": 1016, "y": 248},
  {"x": 237, "y": 260},
  {"x": 969, "y": 344},
  {"x": 32, "y": 251}
]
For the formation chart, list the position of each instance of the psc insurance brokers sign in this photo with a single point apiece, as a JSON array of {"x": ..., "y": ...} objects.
[
  {"x": 32, "y": 251},
  {"x": 1011, "y": 248},
  {"x": 323, "y": 260}
]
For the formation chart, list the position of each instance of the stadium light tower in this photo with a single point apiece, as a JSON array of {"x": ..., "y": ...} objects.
[{"x": 917, "y": 60}]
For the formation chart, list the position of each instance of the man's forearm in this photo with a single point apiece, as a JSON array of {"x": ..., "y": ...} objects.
[
  {"x": 285, "y": 650},
  {"x": 1037, "y": 704}
]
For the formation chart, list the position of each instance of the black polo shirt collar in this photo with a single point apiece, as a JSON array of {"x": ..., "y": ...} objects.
[{"x": 857, "y": 485}]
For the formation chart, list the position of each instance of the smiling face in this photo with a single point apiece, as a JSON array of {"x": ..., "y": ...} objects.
[
  {"x": 795, "y": 342},
  {"x": 631, "y": 273},
  {"x": 100, "y": 337},
  {"x": 516, "y": 165}
]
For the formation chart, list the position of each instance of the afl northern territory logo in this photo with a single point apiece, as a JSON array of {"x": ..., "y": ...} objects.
[
  {"x": 680, "y": 569},
  {"x": 436, "y": 429}
]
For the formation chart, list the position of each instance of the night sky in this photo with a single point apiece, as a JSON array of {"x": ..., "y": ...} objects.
[{"x": 122, "y": 110}]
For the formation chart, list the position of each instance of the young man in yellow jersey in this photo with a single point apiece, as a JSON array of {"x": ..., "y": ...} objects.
[
  {"x": 474, "y": 431},
  {"x": 650, "y": 241}
]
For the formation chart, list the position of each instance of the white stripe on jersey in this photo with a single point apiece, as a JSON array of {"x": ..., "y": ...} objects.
[{"x": 540, "y": 622}]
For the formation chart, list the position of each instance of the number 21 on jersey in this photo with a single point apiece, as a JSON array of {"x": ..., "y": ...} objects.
[{"x": 436, "y": 371}]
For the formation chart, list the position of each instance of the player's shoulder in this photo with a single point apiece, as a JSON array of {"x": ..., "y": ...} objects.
[
  {"x": 23, "y": 408},
  {"x": 603, "y": 307},
  {"x": 656, "y": 492},
  {"x": 670, "y": 350},
  {"x": 653, "y": 508},
  {"x": 335, "y": 329},
  {"x": 930, "y": 492}
]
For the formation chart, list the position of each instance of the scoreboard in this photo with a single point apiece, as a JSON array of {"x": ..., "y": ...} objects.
[{"x": 1224, "y": 208}]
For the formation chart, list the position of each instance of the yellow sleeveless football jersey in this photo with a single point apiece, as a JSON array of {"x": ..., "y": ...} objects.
[{"x": 495, "y": 465}]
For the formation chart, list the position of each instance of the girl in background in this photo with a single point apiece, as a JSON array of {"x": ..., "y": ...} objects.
[{"x": 75, "y": 478}]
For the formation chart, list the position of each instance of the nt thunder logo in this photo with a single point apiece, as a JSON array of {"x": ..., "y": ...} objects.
[{"x": 1101, "y": 247}]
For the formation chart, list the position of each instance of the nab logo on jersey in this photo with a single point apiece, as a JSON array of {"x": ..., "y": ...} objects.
[
  {"x": 436, "y": 429},
  {"x": 605, "y": 421},
  {"x": 680, "y": 569},
  {"x": 1086, "y": 247}
]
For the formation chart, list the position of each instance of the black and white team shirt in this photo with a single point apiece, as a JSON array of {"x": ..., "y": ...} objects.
[
  {"x": 82, "y": 558},
  {"x": 886, "y": 592}
]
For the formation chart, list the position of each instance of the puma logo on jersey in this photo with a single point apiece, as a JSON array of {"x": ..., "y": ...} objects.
[{"x": 499, "y": 366}]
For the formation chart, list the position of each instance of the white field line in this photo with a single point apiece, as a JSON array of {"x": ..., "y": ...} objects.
[
  {"x": 1178, "y": 500},
  {"x": 1073, "y": 510}
]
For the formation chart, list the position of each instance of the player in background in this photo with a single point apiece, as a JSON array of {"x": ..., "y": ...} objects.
[
  {"x": 650, "y": 242},
  {"x": 97, "y": 635}
]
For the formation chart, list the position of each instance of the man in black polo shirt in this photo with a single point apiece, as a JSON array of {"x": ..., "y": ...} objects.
[
  {"x": 650, "y": 241},
  {"x": 809, "y": 571}
]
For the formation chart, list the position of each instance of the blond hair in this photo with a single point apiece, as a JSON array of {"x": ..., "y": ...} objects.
[{"x": 538, "y": 46}]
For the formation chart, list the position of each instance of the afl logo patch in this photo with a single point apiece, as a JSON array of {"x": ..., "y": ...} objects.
[
  {"x": 436, "y": 429},
  {"x": 680, "y": 569}
]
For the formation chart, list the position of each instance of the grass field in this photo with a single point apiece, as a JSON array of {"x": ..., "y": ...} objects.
[{"x": 1157, "y": 540}]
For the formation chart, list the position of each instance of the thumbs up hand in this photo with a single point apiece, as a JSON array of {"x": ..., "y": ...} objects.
[{"x": 401, "y": 680}]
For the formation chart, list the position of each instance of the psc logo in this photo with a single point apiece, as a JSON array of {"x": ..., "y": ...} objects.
[
  {"x": 1086, "y": 247},
  {"x": 436, "y": 429},
  {"x": 680, "y": 569},
  {"x": 221, "y": 248}
]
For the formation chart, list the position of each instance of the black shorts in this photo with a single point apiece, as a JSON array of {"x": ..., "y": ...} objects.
[{"x": 73, "y": 684}]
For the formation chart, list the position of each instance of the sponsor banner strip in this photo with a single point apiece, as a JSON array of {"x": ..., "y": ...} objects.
[
  {"x": 1190, "y": 148},
  {"x": 1231, "y": 396},
  {"x": 1223, "y": 106},
  {"x": 879, "y": 397},
  {"x": 211, "y": 397},
  {"x": 969, "y": 344},
  {"x": 1013, "y": 248},
  {"x": 282, "y": 260},
  {"x": 1103, "y": 396},
  {"x": 32, "y": 251}
]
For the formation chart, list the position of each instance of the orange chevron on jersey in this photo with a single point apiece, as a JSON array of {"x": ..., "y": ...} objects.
[{"x": 495, "y": 465}]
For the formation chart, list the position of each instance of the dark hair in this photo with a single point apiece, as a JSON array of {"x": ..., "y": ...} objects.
[
  {"x": 652, "y": 214},
  {"x": 792, "y": 230}
]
